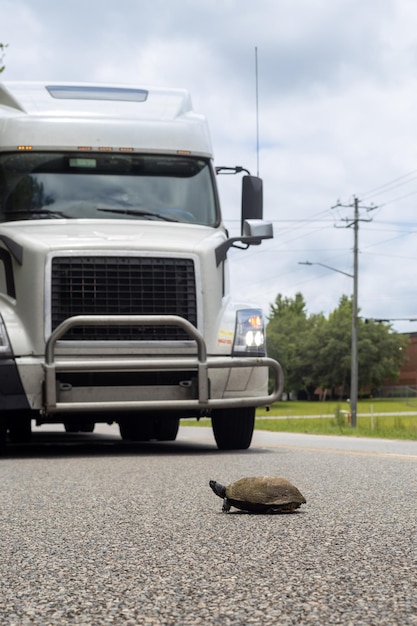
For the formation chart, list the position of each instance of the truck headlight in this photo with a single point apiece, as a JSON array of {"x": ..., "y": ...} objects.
[
  {"x": 249, "y": 333},
  {"x": 5, "y": 350}
]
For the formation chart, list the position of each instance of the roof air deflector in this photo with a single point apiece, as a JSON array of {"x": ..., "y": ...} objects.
[{"x": 94, "y": 92}]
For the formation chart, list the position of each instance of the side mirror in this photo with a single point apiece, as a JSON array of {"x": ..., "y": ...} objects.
[
  {"x": 252, "y": 199},
  {"x": 257, "y": 229}
]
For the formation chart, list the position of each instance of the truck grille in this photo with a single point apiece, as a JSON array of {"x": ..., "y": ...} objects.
[{"x": 123, "y": 286}]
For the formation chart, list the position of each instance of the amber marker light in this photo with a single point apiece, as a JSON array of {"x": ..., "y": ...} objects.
[{"x": 255, "y": 321}]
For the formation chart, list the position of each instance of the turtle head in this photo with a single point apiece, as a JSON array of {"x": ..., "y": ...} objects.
[{"x": 219, "y": 489}]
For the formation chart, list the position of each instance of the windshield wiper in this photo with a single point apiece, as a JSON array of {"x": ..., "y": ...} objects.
[
  {"x": 39, "y": 212},
  {"x": 139, "y": 213}
]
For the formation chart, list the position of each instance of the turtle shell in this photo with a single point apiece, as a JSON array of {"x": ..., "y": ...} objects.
[{"x": 264, "y": 493}]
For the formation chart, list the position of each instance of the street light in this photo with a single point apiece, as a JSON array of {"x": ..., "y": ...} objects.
[
  {"x": 354, "y": 355},
  {"x": 326, "y": 266}
]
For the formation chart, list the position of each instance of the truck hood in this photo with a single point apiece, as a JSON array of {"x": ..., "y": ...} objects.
[{"x": 127, "y": 235}]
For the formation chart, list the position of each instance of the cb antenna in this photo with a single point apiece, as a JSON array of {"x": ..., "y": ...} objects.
[{"x": 257, "y": 111}]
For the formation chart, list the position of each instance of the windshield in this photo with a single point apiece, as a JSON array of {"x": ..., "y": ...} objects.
[{"x": 46, "y": 185}]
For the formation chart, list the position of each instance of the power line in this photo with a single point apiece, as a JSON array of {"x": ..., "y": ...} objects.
[
  {"x": 412, "y": 193},
  {"x": 392, "y": 184}
]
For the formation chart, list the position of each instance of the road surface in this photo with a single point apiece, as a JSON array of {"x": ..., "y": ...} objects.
[{"x": 95, "y": 531}]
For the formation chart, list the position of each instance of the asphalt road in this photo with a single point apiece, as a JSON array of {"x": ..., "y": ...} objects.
[{"x": 95, "y": 531}]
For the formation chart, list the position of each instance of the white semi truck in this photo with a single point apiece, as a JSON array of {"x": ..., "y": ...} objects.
[{"x": 114, "y": 288}]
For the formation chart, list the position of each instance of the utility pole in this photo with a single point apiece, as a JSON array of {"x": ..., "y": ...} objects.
[
  {"x": 354, "y": 352},
  {"x": 354, "y": 355},
  {"x": 3, "y": 47},
  {"x": 354, "y": 359}
]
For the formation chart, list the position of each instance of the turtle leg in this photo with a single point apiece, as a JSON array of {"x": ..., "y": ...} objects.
[{"x": 226, "y": 505}]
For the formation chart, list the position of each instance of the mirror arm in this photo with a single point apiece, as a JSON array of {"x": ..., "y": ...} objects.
[{"x": 221, "y": 251}]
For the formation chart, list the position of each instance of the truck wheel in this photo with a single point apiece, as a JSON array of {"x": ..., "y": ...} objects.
[
  {"x": 3, "y": 433},
  {"x": 20, "y": 430},
  {"x": 167, "y": 429},
  {"x": 79, "y": 427},
  {"x": 233, "y": 428},
  {"x": 136, "y": 429},
  {"x": 87, "y": 427},
  {"x": 71, "y": 428}
]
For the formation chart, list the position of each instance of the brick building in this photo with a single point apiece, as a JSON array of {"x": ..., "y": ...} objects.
[{"x": 408, "y": 372}]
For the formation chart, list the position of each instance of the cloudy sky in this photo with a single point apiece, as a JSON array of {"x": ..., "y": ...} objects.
[{"x": 337, "y": 94}]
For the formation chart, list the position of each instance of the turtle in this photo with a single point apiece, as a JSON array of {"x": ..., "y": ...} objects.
[{"x": 259, "y": 494}]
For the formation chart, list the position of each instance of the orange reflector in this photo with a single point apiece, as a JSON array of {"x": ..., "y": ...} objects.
[{"x": 255, "y": 321}]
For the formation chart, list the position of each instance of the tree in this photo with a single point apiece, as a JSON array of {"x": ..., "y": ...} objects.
[
  {"x": 381, "y": 353},
  {"x": 3, "y": 47},
  {"x": 316, "y": 352},
  {"x": 288, "y": 305},
  {"x": 332, "y": 363},
  {"x": 290, "y": 338}
]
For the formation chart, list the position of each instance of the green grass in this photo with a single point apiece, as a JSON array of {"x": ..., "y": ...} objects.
[
  {"x": 385, "y": 418},
  {"x": 329, "y": 408}
]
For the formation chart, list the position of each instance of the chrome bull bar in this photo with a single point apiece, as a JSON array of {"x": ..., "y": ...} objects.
[{"x": 201, "y": 363}]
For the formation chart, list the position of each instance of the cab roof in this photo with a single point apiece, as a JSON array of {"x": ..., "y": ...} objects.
[{"x": 95, "y": 114}]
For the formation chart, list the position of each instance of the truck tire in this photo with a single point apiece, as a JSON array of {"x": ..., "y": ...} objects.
[
  {"x": 167, "y": 429},
  {"x": 20, "y": 429},
  {"x": 233, "y": 428},
  {"x": 71, "y": 428},
  {"x": 136, "y": 429},
  {"x": 79, "y": 427},
  {"x": 87, "y": 427},
  {"x": 3, "y": 434}
]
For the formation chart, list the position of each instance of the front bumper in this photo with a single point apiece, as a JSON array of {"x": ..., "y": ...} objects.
[{"x": 198, "y": 396}]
